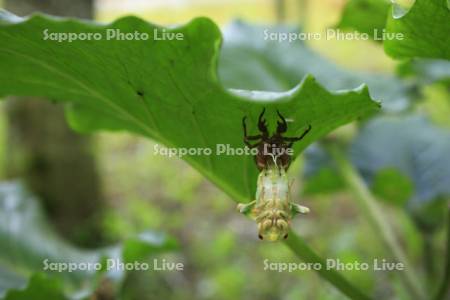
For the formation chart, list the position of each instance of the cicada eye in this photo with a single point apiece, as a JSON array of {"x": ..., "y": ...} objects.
[
  {"x": 260, "y": 237},
  {"x": 285, "y": 236}
]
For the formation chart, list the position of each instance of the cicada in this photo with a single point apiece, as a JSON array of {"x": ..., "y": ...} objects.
[{"x": 272, "y": 208}]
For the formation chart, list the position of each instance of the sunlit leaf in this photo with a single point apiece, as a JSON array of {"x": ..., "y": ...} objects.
[{"x": 426, "y": 30}]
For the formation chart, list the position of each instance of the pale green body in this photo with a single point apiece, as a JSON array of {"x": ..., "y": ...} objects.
[{"x": 272, "y": 209}]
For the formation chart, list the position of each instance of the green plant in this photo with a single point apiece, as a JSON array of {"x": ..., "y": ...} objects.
[
  {"x": 32, "y": 252},
  {"x": 147, "y": 87},
  {"x": 401, "y": 159},
  {"x": 169, "y": 91}
]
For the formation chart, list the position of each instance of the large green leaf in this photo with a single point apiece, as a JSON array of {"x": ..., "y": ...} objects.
[
  {"x": 27, "y": 240},
  {"x": 165, "y": 90},
  {"x": 252, "y": 60},
  {"x": 369, "y": 15},
  {"x": 426, "y": 30}
]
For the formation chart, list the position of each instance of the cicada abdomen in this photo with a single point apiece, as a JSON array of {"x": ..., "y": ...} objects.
[{"x": 272, "y": 209}]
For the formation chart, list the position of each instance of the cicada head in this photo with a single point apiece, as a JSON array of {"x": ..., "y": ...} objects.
[{"x": 273, "y": 225}]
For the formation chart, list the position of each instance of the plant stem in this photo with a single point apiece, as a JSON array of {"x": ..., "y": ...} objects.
[
  {"x": 377, "y": 219},
  {"x": 428, "y": 256},
  {"x": 443, "y": 290},
  {"x": 304, "y": 252}
]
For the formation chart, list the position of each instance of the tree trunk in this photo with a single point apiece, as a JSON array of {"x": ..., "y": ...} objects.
[{"x": 55, "y": 163}]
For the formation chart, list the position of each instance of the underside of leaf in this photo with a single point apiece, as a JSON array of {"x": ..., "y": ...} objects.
[{"x": 166, "y": 90}]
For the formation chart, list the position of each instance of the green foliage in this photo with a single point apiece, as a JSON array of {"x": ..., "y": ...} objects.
[
  {"x": 320, "y": 172},
  {"x": 154, "y": 83},
  {"x": 392, "y": 186},
  {"x": 365, "y": 16},
  {"x": 411, "y": 145},
  {"x": 404, "y": 159},
  {"x": 40, "y": 287},
  {"x": 436, "y": 102},
  {"x": 265, "y": 64},
  {"x": 142, "y": 86},
  {"x": 425, "y": 28},
  {"x": 431, "y": 216},
  {"x": 300, "y": 245},
  {"x": 325, "y": 181},
  {"x": 136, "y": 248},
  {"x": 10, "y": 279},
  {"x": 2, "y": 142},
  {"x": 169, "y": 91},
  {"x": 27, "y": 240}
]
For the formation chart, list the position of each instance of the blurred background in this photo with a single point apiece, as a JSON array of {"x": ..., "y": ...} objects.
[{"x": 100, "y": 189}]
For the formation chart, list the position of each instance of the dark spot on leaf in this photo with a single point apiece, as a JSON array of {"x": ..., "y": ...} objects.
[
  {"x": 140, "y": 93},
  {"x": 363, "y": 5}
]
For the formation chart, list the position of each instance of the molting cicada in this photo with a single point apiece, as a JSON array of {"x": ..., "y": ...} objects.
[{"x": 272, "y": 209}]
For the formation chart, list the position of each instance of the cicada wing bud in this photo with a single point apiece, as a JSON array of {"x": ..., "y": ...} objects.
[
  {"x": 298, "y": 209},
  {"x": 247, "y": 209}
]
